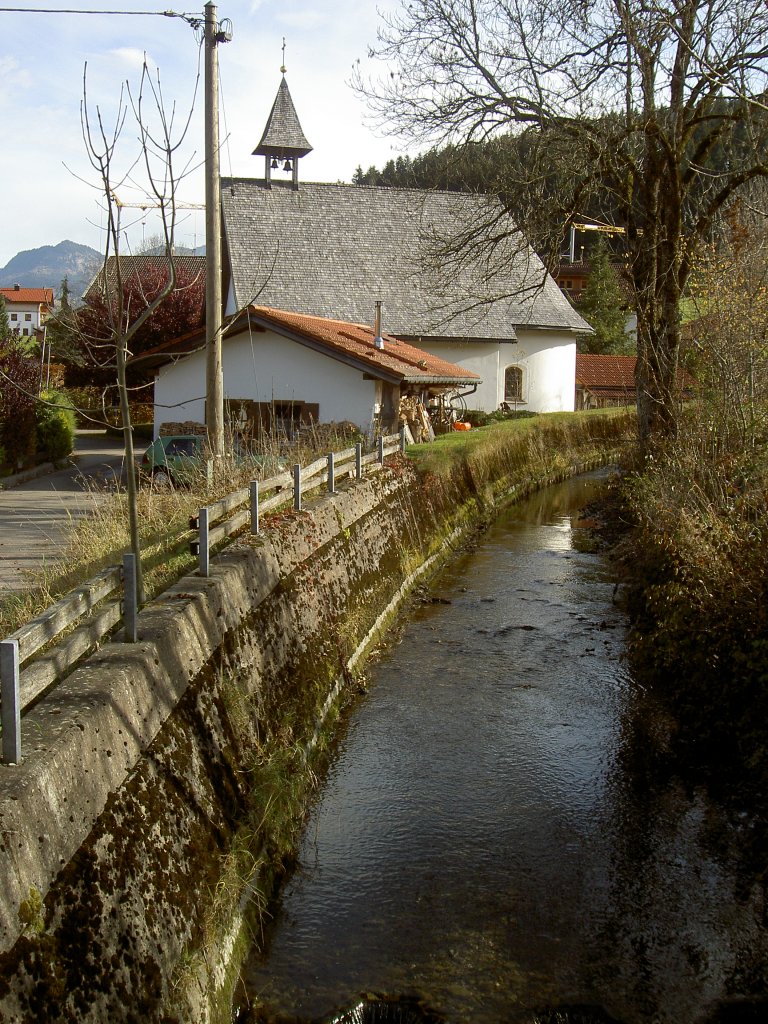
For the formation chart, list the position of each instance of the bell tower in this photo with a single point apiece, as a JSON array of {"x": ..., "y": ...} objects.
[{"x": 283, "y": 141}]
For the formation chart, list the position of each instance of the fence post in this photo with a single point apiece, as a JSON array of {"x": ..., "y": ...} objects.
[
  {"x": 204, "y": 553},
  {"x": 130, "y": 597},
  {"x": 297, "y": 487},
  {"x": 402, "y": 440},
  {"x": 254, "y": 506},
  {"x": 381, "y": 450},
  {"x": 359, "y": 460},
  {"x": 331, "y": 473},
  {"x": 11, "y": 712}
]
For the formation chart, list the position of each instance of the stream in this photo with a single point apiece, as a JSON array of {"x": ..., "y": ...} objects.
[{"x": 485, "y": 842}]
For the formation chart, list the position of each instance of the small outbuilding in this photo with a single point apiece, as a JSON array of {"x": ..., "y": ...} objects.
[
  {"x": 605, "y": 381},
  {"x": 284, "y": 370}
]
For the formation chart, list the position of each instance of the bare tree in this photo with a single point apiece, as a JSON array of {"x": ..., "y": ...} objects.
[
  {"x": 728, "y": 340},
  {"x": 652, "y": 110},
  {"x": 157, "y": 148}
]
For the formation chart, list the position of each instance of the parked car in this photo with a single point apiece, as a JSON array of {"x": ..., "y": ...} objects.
[{"x": 176, "y": 459}]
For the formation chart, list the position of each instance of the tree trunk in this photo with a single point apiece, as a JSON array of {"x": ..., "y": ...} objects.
[
  {"x": 131, "y": 488},
  {"x": 658, "y": 279}
]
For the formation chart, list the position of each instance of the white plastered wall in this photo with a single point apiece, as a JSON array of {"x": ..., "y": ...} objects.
[
  {"x": 264, "y": 368},
  {"x": 548, "y": 362},
  {"x": 481, "y": 358},
  {"x": 547, "y": 359}
]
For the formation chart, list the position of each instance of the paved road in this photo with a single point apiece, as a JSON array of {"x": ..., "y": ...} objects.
[{"x": 33, "y": 514}]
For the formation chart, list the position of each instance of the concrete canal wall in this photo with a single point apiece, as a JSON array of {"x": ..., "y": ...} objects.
[{"x": 164, "y": 781}]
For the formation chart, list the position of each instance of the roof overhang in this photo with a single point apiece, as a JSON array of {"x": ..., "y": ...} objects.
[{"x": 251, "y": 320}]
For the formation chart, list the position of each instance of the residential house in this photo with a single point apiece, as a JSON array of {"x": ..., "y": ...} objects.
[
  {"x": 608, "y": 381},
  {"x": 28, "y": 308},
  {"x": 283, "y": 370},
  {"x": 148, "y": 270},
  {"x": 572, "y": 279}
]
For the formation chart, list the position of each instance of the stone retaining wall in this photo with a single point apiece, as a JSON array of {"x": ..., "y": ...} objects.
[{"x": 135, "y": 831}]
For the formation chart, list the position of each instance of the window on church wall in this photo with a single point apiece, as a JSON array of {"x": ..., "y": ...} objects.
[{"x": 513, "y": 384}]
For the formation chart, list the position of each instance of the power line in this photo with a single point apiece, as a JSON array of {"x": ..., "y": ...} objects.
[{"x": 63, "y": 10}]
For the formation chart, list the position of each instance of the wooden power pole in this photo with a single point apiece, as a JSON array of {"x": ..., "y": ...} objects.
[{"x": 214, "y": 408}]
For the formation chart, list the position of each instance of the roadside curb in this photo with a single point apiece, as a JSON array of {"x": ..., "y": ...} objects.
[{"x": 7, "y": 482}]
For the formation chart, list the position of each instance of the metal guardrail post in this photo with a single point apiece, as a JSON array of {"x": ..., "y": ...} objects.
[
  {"x": 402, "y": 440},
  {"x": 359, "y": 461},
  {"x": 381, "y": 450},
  {"x": 331, "y": 474},
  {"x": 204, "y": 553},
  {"x": 11, "y": 712},
  {"x": 297, "y": 487},
  {"x": 130, "y": 597},
  {"x": 254, "y": 506}
]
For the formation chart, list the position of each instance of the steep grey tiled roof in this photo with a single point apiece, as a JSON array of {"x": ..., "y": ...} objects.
[
  {"x": 333, "y": 250},
  {"x": 283, "y": 136}
]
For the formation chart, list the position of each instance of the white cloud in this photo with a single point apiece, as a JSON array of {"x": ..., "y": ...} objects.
[
  {"x": 13, "y": 77},
  {"x": 132, "y": 58},
  {"x": 46, "y": 202}
]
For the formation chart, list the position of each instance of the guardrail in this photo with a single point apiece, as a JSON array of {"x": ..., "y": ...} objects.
[
  {"x": 98, "y": 606},
  {"x": 213, "y": 527}
]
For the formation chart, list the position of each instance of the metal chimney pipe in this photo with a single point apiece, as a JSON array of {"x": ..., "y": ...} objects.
[{"x": 378, "y": 341}]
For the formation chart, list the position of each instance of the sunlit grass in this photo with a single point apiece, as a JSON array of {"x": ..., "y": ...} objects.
[
  {"x": 449, "y": 450},
  {"x": 99, "y": 539}
]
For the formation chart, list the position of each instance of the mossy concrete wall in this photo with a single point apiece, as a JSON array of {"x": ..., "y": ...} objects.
[{"x": 139, "y": 820}]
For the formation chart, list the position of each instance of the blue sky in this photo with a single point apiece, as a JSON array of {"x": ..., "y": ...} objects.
[{"x": 46, "y": 183}]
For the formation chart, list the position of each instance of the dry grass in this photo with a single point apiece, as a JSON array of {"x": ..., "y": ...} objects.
[
  {"x": 99, "y": 539},
  {"x": 524, "y": 437}
]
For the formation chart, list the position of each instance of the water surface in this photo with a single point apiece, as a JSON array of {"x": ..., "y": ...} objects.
[{"x": 480, "y": 841}]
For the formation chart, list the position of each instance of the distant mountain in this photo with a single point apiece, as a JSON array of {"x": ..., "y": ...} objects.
[{"x": 47, "y": 266}]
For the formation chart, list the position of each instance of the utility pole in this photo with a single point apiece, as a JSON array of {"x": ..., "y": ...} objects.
[{"x": 214, "y": 409}]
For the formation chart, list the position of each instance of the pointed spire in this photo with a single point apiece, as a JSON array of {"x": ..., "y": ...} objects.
[{"x": 283, "y": 138}]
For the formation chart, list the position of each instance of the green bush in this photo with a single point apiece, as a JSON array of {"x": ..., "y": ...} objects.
[{"x": 54, "y": 426}]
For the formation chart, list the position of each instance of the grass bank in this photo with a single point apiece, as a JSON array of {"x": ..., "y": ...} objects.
[
  {"x": 497, "y": 457},
  {"x": 697, "y": 557}
]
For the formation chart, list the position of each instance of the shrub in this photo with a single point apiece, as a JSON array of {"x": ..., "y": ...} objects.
[
  {"x": 54, "y": 426},
  {"x": 476, "y": 417},
  {"x": 19, "y": 379}
]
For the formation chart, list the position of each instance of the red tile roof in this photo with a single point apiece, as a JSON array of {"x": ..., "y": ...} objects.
[
  {"x": 407, "y": 361},
  {"x": 605, "y": 371},
  {"x": 614, "y": 376},
  {"x": 42, "y": 295},
  {"x": 353, "y": 342}
]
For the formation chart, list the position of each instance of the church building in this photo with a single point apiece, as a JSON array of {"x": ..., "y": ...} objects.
[
  {"x": 334, "y": 250},
  {"x": 344, "y": 300}
]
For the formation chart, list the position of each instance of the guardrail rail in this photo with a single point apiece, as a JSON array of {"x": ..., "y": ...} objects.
[{"x": 96, "y": 608}]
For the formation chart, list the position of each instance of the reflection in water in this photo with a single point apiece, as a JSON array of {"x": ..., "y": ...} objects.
[{"x": 479, "y": 843}]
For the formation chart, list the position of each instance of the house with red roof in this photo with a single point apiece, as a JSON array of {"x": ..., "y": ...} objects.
[
  {"x": 283, "y": 370},
  {"x": 28, "y": 308},
  {"x": 607, "y": 381},
  {"x": 603, "y": 381}
]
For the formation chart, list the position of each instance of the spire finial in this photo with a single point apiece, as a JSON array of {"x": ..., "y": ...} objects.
[{"x": 283, "y": 68}]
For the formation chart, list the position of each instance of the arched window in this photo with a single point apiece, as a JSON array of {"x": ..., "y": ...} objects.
[{"x": 513, "y": 384}]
